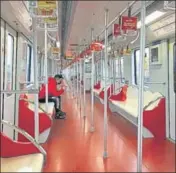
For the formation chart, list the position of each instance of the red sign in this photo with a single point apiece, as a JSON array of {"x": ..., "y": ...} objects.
[
  {"x": 88, "y": 52},
  {"x": 96, "y": 46},
  {"x": 129, "y": 23},
  {"x": 82, "y": 55},
  {"x": 116, "y": 30}
]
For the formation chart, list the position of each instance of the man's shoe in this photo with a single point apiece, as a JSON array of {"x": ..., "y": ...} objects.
[
  {"x": 60, "y": 117},
  {"x": 61, "y": 113}
]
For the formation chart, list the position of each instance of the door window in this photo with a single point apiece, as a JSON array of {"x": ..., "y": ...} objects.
[{"x": 9, "y": 63}]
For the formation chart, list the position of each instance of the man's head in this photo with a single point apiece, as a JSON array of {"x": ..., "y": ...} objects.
[{"x": 58, "y": 78}]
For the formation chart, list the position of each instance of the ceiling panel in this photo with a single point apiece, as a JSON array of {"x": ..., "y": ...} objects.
[{"x": 90, "y": 14}]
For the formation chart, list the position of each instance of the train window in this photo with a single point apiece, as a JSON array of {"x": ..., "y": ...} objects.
[
  {"x": 29, "y": 59},
  {"x": 136, "y": 65},
  {"x": 120, "y": 68},
  {"x": 9, "y": 64}
]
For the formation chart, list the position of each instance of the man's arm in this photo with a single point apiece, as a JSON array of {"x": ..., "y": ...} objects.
[{"x": 57, "y": 92}]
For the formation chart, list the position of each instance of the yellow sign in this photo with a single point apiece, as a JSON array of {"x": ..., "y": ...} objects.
[
  {"x": 55, "y": 50},
  {"x": 127, "y": 52},
  {"x": 69, "y": 57},
  {"x": 47, "y": 4},
  {"x": 51, "y": 20},
  {"x": 44, "y": 12}
]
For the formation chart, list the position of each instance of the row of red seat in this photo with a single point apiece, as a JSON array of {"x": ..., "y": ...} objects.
[
  {"x": 154, "y": 120},
  {"x": 26, "y": 121}
]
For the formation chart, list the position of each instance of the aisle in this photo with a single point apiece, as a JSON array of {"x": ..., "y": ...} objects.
[{"x": 72, "y": 148}]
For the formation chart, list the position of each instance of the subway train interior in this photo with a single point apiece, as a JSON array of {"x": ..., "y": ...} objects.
[{"x": 88, "y": 86}]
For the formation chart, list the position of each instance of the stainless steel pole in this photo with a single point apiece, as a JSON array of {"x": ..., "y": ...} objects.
[
  {"x": 46, "y": 69},
  {"x": 74, "y": 79},
  {"x": 101, "y": 65},
  {"x": 36, "y": 86},
  {"x": 96, "y": 74},
  {"x": 120, "y": 70},
  {"x": 77, "y": 63},
  {"x": 105, "y": 154},
  {"x": 80, "y": 91},
  {"x": 114, "y": 74},
  {"x": 92, "y": 128},
  {"x": 84, "y": 83},
  {"x": 53, "y": 67},
  {"x": 141, "y": 86}
]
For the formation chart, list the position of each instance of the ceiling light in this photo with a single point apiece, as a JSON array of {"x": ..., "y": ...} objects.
[
  {"x": 151, "y": 17},
  {"x": 58, "y": 44}
]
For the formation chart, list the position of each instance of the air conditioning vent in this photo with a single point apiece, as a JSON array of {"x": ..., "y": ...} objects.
[
  {"x": 165, "y": 26},
  {"x": 19, "y": 10}
]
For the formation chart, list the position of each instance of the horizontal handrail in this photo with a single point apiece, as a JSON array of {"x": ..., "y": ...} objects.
[
  {"x": 40, "y": 82},
  {"x": 117, "y": 17},
  {"x": 113, "y": 78},
  {"x": 32, "y": 91},
  {"x": 48, "y": 29},
  {"x": 29, "y": 137},
  {"x": 162, "y": 83}
]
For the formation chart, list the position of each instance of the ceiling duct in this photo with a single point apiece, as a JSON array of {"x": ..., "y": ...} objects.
[{"x": 66, "y": 12}]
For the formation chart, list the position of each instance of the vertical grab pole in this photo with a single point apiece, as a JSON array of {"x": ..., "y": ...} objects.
[
  {"x": 80, "y": 84},
  {"x": 120, "y": 70},
  {"x": 35, "y": 58},
  {"x": 78, "y": 77},
  {"x": 92, "y": 128},
  {"x": 114, "y": 74},
  {"x": 141, "y": 87},
  {"x": 95, "y": 73},
  {"x": 77, "y": 63},
  {"x": 112, "y": 81},
  {"x": 46, "y": 69},
  {"x": 101, "y": 65},
  {"x": 52, "y": 67},
  {"x": 74, "y": 79},
  {"x": 105, "y": 154},
  {"x": 84, "y": 83}
]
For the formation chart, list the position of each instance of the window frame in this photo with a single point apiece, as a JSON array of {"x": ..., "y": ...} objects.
[
  {"x": 119, "y": 64},
  {"x": 29, "y": 63},
  {"x": 135, "y": 64}
]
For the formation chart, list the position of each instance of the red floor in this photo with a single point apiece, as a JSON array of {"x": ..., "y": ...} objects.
[{"x": 72, "y": 148}]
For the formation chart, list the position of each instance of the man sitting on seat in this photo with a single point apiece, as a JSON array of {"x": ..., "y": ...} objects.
[
  {"x": 59, "y": 81},
  {"x": 53, "y": 95}
]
